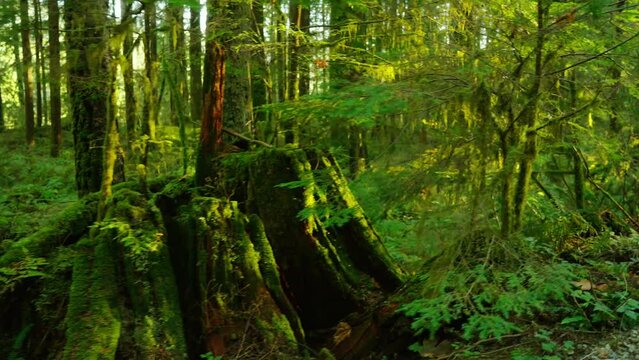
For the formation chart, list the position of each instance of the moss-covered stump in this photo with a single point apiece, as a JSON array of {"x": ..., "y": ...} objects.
[
  {"x": 186, "y": 272},
  {"x": 329, "y": 256},
  {"x": 123, "y": 299},
  {"x": 239, "y": 312}
]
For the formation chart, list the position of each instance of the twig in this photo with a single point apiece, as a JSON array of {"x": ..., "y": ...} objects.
[
  {"x": 245, "y": 138},
  {"x": 594, "y": 56}
]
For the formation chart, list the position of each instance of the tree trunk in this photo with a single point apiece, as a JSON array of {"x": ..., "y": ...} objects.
[
  {"x": 88, "y": 88},
  {"x": 27, "y": 73},
  {"x": 238, "y": 109},
  {"x": 150, "y": 109},
  {"x": 127, "y": 75},
  {"x": 2, "y": 125},
  {"x": 54, "y": 77},
  {"x": 176, "y": 76},
  {"x": 195, "y": 60},
  {"x": 38, "y": 63},
  {"x": 211, "y": 126},
  {"x": 530, "y": 120}
]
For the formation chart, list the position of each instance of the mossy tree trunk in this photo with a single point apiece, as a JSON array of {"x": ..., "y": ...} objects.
[{"x": 88, "y": 87}]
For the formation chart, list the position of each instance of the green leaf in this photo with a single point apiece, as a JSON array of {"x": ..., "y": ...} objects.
[{"x": 573, "y": 319}]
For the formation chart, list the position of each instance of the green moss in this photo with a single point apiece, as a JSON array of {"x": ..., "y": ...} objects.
[
  {"x": 93, "y": 318},
  {"x": 271, "y": 276},
  {"x": 68, "y": 227}
]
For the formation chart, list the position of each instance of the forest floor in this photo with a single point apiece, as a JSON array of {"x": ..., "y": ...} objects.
[{"x": 36, "y": 187}]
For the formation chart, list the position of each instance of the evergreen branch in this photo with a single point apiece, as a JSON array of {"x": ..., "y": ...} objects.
[
  {"x": 565, "y": 117},
  {"x": 594, "y": 56}
]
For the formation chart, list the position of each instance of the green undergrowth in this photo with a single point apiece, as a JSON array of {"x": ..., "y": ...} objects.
[
  {"x": 567, "y": 272},
  {"x": 33, "y": 186}
]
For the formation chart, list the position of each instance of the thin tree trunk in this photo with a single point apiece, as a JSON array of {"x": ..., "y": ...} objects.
[
  {"x": 38, "y": 63},
  {"x": 2, "y": 125},
  {"x": 195, "y": 59},
  {"x": 27, "y": 73},
  {"x": 260, "y": 73},
  {"x": 127, "y": 75},
  {"x": 298, "y": 78},
  {"x": 530, "y": 117},
  {"x": 150, "y": 110},
  {"x": 176, "y": 74},
  {"x": 54, "y": 77},
  {"x": 19, "y": 71}
]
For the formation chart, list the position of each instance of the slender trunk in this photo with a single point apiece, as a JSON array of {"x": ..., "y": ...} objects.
[
  {"x": 195, "y": 59},
  {"x": 54, "y": 77},
  {"x": 19, "y": 72},
  {"x": 127, "y": 75},
  {"x": 111, "y": 138},
  {"x": 176, "y": 67},
  {"x": 298, "y": 78},
  {"x": 530, "y": 116},
  {"x": 2, "y": 126},
  {"x": 259, "y": 71},
  {"x": 38, "y": 62},
  {"x": 27, "y": 73},
  {"x": 177, "y": 77},
  {"x": 150, "y": 110},
  {"x": 506, "y": 187}
]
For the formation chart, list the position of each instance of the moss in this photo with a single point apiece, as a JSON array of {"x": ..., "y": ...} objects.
[
  {"x": 93, "y": 318},
  {"x": 65, "y": 229},
  {"x": 360, "y": 239}
]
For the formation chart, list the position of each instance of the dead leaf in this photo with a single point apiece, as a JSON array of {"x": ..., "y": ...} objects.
[
  {"x": 583, "y": 284},
  {"x": 601, "y": 287},
  {"x": 342, "y": 331}
]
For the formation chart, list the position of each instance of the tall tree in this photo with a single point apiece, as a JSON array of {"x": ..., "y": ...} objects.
[
  {"x": 213, "y": 96},
  {"x": 39, "y": 63},
  {"x": 88, "y": 87},
  {"x": 2, "y": 126},
  {"x": 195, "y": 63},
  {"x": 54, "y": 77},
  {"x": 150, "y": 108},
  {"x": 27, "y": 73},
  {"x": 127, "y": 74},
  {"x": 238, "y": 109}
]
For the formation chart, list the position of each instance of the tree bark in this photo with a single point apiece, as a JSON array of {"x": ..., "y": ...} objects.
[
  {"x": 27, "y": 73},
  {"x": 127, "y": 75},
  {"x": 88, "y": 88},
  {"x": 2, "y": 125},
  {"x": 39, "y": 66},
  {"x": 195, "y": 60},
  {"x": 150, "y": 109},
  {"x": 54, "y": 77},
  {"x": 530, "y": 120}
]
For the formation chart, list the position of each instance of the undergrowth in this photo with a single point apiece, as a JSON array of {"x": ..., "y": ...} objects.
[{"x": 564, "y": 273}]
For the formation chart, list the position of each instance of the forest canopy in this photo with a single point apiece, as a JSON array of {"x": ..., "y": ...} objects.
[{"x": 327, "y": 179}]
